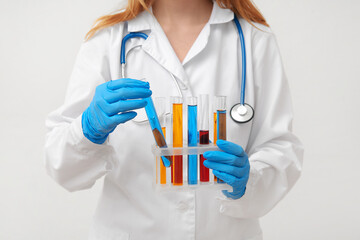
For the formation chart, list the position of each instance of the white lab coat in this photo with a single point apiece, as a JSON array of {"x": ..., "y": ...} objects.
[{"x": 129, "y": 208}]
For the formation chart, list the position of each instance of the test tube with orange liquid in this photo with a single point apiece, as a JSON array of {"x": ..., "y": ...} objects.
[
  {"x": 177, "y": 126},
  {"x": 160, "y": 105},
  {"x": 220, "y": 105}
]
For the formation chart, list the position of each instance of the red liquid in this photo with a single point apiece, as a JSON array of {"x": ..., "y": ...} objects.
[
  {"x": 172, "y": 169},
  {"x": 178, "y": 170},
  {"x": 204, "y": 171}
]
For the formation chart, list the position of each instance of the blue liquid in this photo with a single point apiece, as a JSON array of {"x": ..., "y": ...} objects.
[
  {"x": 155, "y": 124},
  {"x": 192, "y": 141}
]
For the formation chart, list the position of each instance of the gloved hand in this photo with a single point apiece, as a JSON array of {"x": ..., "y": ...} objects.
[
  {"x": 231, "y": 165},
  {"x": 112, "y": 105}
]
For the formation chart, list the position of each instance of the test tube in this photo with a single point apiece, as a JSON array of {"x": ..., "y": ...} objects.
[
  {"x": 215, "y": 129},
  {"x": 160, "y": 108},
  {"x": 156, "y": 129},
  {"x": 192, "y": 139},
  {"x": 215, "y": 126},
  {"x": 221, "y": 117},
  {"x": 204, "y": 133},
  {"x": 177, "y": 168},
  {"x": 220, "y": 103}
]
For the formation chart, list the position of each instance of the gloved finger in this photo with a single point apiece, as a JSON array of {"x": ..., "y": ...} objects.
[
  {"x": 230, "y": 147},
  {"x": 235, "y": 194},
  {"x": 127, "y": 93},
  {"x": 126, "y": 82},
  {"x": 232, "y": 170},
  {"x": 230, "y": 179},
  {"x": 123, "y": 106},
  {"x": 226, "y": 158},
  {"x": 122, "y": 117}
]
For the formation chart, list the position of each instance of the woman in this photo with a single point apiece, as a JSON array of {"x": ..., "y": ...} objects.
[{"x": 92, "y": 134}]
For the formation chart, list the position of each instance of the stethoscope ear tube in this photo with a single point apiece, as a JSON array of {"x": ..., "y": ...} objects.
[{"x": 242, "y": 113}]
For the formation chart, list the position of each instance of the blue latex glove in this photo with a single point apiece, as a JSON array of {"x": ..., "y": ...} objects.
[
  {"x": 112, "y": 105},
  {"x": 232, "y": 166}
]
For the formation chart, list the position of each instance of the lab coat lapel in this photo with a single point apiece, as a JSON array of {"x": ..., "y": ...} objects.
[
  {"x": 218, "y": 16},
  {"x": 159, "y": 48},
  {"x": 199, "y": 44},
  {"x": 157, "y": 45}
]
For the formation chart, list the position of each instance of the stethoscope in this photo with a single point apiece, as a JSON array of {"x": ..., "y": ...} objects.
[{"x": 240, "y": 112}]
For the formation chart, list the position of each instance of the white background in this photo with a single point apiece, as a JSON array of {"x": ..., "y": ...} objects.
[{"x": 320, "y": 45}]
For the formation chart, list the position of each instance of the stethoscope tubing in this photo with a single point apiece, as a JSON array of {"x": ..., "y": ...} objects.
[
  {"x": 125, "y": 39},
  {"x": 243, "y": 60},
  {"x": 243, "y": 74}
]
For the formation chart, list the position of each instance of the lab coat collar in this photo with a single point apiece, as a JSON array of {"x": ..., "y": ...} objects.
[
  {"x": 158, "y": 46},
  {"x": 220, "y": 15},
  {"x": 145, "y": 20}
]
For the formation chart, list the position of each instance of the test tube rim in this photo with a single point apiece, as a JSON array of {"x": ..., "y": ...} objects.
[
  {"x": 176, "y": 100},
  {"x": 192, "y": 101},
  {"x": 220, "y": 103}
]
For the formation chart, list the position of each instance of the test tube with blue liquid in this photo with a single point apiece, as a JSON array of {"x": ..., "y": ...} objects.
[
  {"x": 156, "y": 129},
  {"x": 192, "y": 140},
  {"x": 160, "y": 106}
]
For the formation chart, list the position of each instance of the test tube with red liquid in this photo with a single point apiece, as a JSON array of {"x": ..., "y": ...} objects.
[
  {"x": 204, "y": 133},
  {"x": 177, "y": 164}
]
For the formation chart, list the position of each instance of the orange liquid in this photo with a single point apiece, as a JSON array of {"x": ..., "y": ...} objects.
[
  {"x": 162, "y": 167},
  {"x": 222, "y": 125},
  {"x": 177, "y": 168},
  {"x": 157, "y": 171},
  {"x": 222, "y": 130}
]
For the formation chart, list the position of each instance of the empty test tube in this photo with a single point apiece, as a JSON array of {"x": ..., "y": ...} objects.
[
  {"x": 204, "y": 133},
  {"x": 177, "y": 167},
  {"x": 220, "y": 104},
  {"x": 192, "y": 139}
]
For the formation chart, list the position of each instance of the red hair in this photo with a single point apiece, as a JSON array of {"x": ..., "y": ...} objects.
[{"x": 243, "y": 8}]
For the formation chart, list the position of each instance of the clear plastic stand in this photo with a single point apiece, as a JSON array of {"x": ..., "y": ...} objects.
[{"x": 162, "y": 175}]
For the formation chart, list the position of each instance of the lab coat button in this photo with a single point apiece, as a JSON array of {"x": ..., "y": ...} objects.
[{"x": 181, "y": 206}]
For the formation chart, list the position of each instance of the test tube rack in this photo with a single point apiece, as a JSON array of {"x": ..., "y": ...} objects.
[{"x": 167, "y": 184}]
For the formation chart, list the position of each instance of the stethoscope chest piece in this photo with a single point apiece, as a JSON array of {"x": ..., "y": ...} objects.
[{"x": 242, "y": 113}]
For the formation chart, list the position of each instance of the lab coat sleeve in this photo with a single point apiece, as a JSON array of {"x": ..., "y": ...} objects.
[
  {"x": 70, "y": 158},
  {"x": 275, "y": 153}
]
